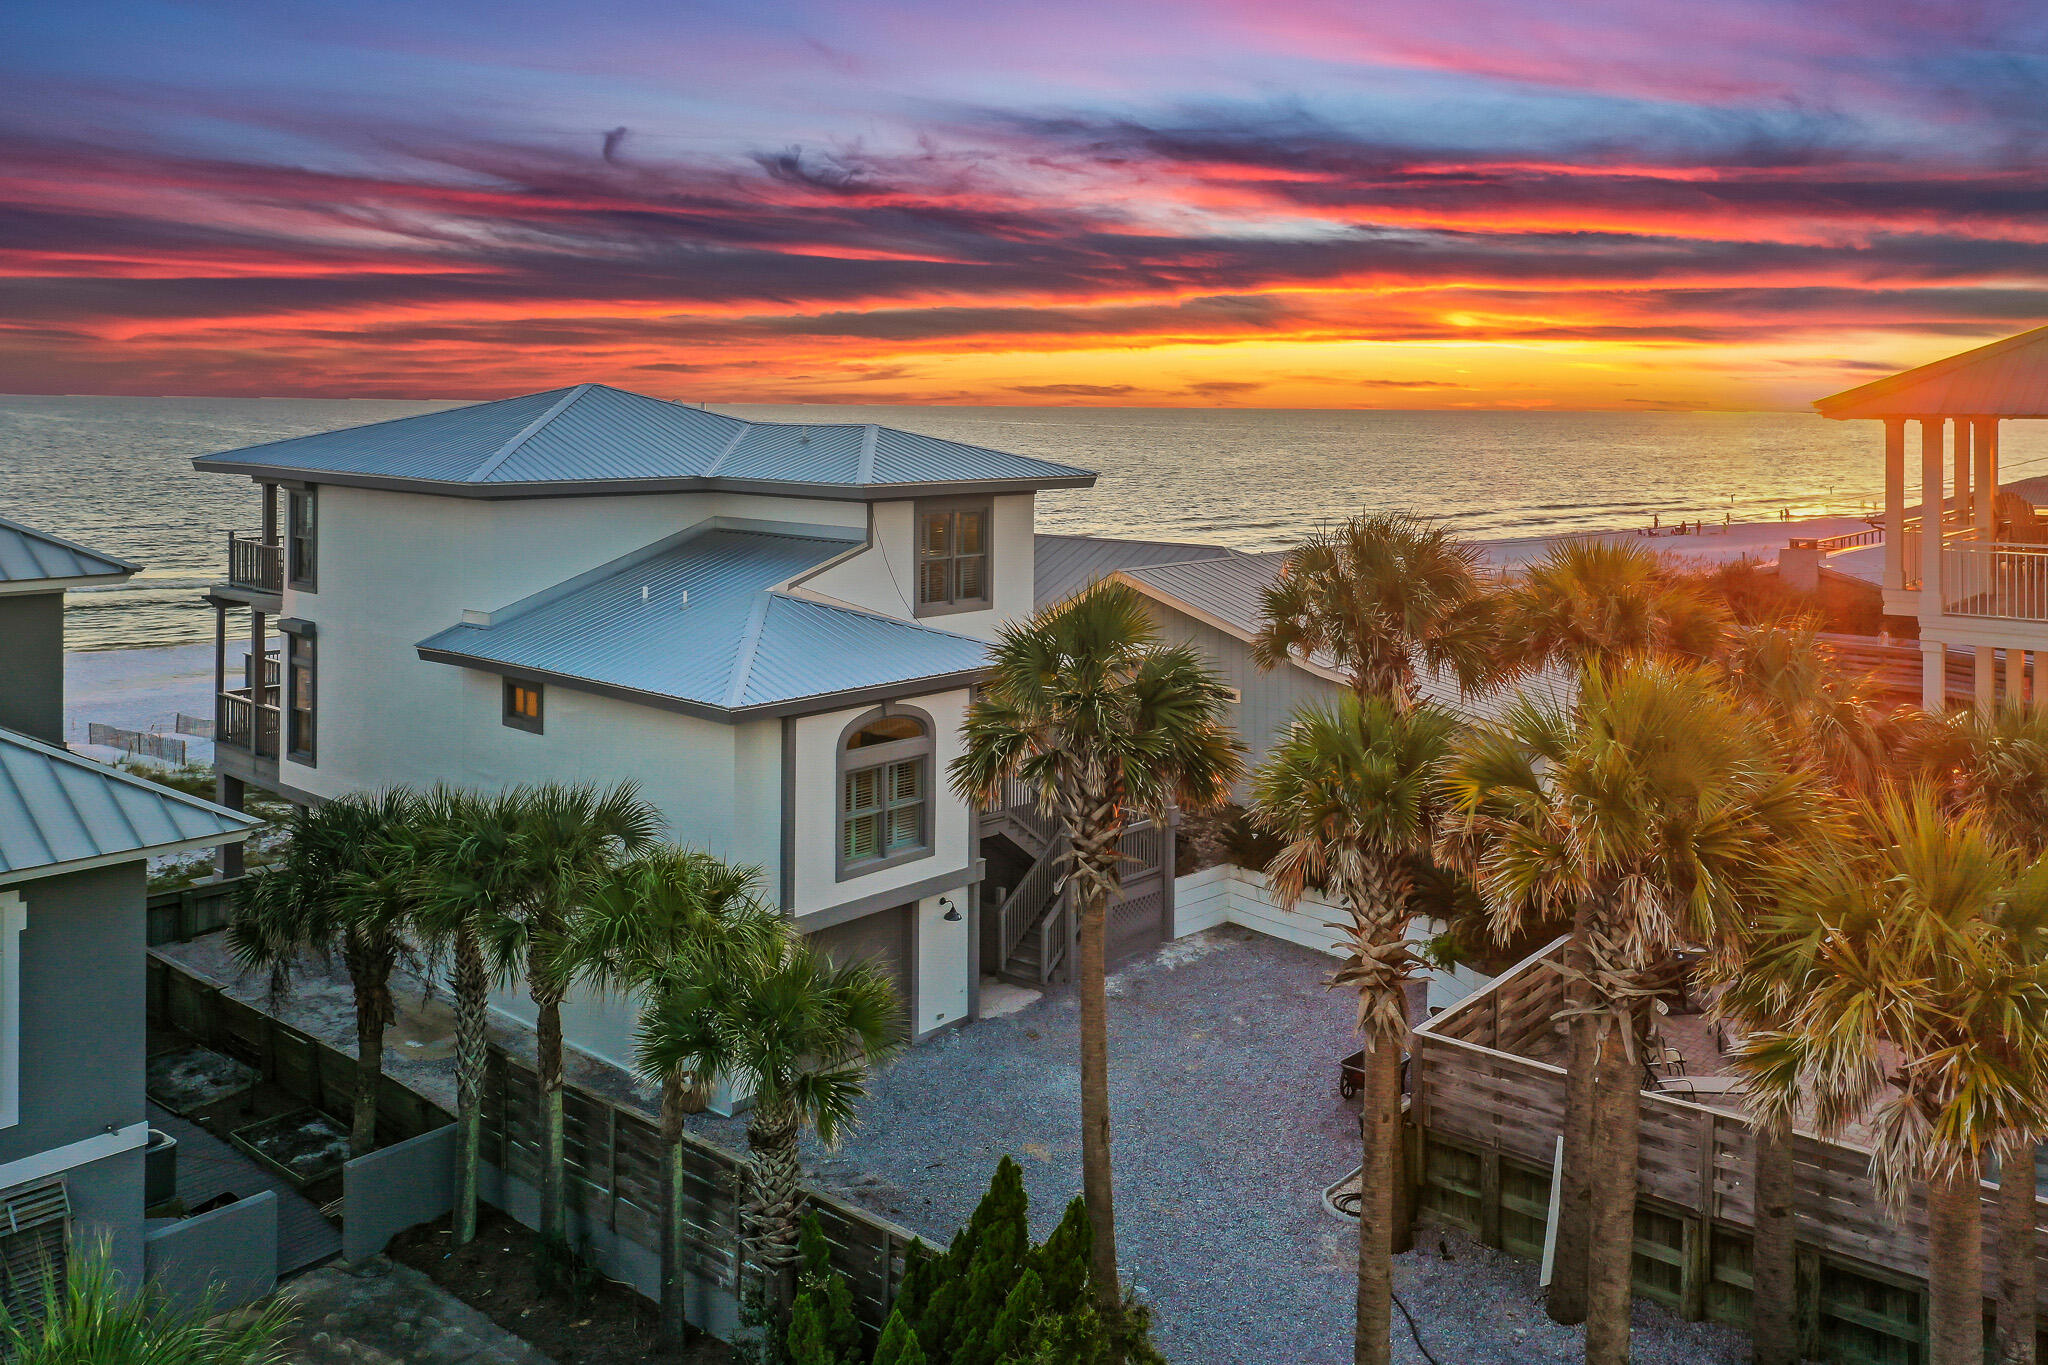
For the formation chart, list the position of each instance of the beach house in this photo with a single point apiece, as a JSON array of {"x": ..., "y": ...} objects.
[
  {"x": 772, "y": 629},
  {"x": 1969, "y": 562},
  {"x": 75, "y": 842}
]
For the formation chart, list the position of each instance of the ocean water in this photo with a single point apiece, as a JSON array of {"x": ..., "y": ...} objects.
[{"x": 115, "y": 473}]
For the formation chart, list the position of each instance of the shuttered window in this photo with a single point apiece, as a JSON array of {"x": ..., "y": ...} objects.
[
  {"x": 34, "y": 1221},
  {"x": 885, "y": 796},
  {"x": 952, "y": 556}
]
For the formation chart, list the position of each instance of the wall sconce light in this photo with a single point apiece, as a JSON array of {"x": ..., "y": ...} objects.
[{"x": 952, "y": 915}]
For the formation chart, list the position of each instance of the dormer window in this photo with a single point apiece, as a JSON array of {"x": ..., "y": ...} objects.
[
  {"x": 885, "y": 792},
  {"x": 953, "y": 555}
]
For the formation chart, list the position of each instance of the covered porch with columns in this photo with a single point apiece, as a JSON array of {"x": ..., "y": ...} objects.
[{"x": 1958, "y": 561}]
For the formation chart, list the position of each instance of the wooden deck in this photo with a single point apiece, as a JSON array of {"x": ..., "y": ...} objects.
[{"x": 209, "y": 1168}]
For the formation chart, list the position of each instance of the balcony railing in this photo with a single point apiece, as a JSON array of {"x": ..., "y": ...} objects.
[
  {"x": 273, "y": 670},
  {"x": 241, "y": 721},
  {"x": 254, "y": 563},
  {"x": 2003, "y": 581},
  {"x": 1954, "y": 531},
  {"x": 1848, "y": 540}
]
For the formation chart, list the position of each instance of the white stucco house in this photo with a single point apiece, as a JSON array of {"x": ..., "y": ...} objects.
[{"x": 772, "y": 629}]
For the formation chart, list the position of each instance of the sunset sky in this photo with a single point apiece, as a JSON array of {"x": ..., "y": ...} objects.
[{"x": 1277, "y": 203}]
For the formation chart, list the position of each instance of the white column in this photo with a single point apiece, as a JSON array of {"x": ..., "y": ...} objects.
[
  {"x": 1933, "y": 678},
  {"x": 1895, "y": 502},
  {"x": 1985, "y": 676},
  {"x": 1931, "y": 491},
  {"x": 2015, "y": 675},
  {"x": 1961, "y": 454},
  {"x": 1984, "y": 481}
]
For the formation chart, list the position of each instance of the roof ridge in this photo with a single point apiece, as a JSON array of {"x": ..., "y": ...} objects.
[
  {"x": 750, "y": 647},
  {"x": 866, "y": 471},
  {"x": 505, "y": 451},
  {"x": 110, "y": 773},
  {"x": 745, "y": 426}
]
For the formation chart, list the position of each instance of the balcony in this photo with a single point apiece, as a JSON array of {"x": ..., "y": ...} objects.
[
  {"x": 247, "y": 719},
  {"x": 255, "y": 564},
  {"x": 1997, "y": 580}
]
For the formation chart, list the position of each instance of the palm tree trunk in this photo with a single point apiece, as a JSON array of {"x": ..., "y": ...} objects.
[
  {"x": 675, "y": 1321},
  {"x": 774, "y": 1209},
  {"x": 372, "y": 1012},
  {"x": 1091, "y": 980},
  {"x": 1955, "y": 1270},
  {"x": 1773, "y": 1260},
  {"x": 472, "y": 1058},
  {"x": 1566, "y": 1299},
  {"x": 1378, "y": 1202},
  {"x": 547, "y": 1030},
  {"x": 1612, "y": 1151},
  {"x": 2016, "y": 1252}
]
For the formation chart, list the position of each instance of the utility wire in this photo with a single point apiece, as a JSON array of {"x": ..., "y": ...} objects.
[{"x": 1415, "y": 1331}]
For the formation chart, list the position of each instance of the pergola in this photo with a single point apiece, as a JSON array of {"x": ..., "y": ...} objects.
[{"x": 1998, "y": 591}]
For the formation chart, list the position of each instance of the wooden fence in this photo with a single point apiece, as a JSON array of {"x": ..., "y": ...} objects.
[
  {"x": 188, "y": 912},
  {"x": 613, "y": 1150},
  {"x": 1487, "y": 1123}
]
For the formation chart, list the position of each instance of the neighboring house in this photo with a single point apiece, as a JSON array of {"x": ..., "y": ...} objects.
[
  {"x": 75, "y": 840},
  {"x": 35, "y": 569},
  {"x": 1980, "y": 585},
  {"x": 772, "y": 629}
]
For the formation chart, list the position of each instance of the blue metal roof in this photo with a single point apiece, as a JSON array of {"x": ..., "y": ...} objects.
[
  {"x": 593, "y": 434},
  {"x": 29, "y": 556},
  {"x": 698, "y": 623},
  {"x": 60, "y": 812}
]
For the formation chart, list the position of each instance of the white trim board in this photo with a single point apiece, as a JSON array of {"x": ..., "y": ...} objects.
[{"x": 57, "y": 1160}]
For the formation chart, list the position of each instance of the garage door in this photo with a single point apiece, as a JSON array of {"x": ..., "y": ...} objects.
[{"x": 882, "y": 938}]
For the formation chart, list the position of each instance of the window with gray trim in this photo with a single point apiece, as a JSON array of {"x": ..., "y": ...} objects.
[
  {"x": 302, "y": 538},
  {"x": 953, "y": 555},
  {"x": 885, "y": 792},
  {"x": 301, "y": 721},
  {"x": 523, "y": 705}
]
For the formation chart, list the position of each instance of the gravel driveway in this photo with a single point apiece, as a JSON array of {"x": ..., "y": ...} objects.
[{"x": 1228, "y": 1127}]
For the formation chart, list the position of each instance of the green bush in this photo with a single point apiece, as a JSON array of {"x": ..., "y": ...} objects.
[{"x": 990, "y": 1298}]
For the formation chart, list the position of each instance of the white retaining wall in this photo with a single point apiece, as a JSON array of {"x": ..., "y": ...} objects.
[{"x": 1236, "y": 895}]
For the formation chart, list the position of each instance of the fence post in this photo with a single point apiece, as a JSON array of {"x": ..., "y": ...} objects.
[
  {"x": 1807, "y": 1263},
  {"x": 1489, "y": 1197},
  {"x": 1695, "y": 1269}
]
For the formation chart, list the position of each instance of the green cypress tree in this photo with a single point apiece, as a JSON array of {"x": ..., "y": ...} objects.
[
  {"x": 1003, "y": 1240},
  {"x": 1010, "y": 1336},
  {"x": 920, "y": 1276},
  {"x": 807, "y": 1342},
  {"x": 899, "y": 1344},
  {"x": 812, "y": 1246},
  {"x": 1063, "y": 1262},
  {"x": 842, "y": 1324}
]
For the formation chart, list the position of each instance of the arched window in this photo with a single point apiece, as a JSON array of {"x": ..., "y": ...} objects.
[{"x": 885, "y": 791}]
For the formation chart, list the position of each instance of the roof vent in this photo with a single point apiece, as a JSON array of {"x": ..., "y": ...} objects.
[{"x": 476, "y": 618}]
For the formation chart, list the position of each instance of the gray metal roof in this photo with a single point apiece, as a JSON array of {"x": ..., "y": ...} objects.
[
  {"x": 1067, "y": 564},
  {"x": 603, "y": 439},
  {"x": 1229, "y": 593},
  {"x": 697, "y": 623},
  {"x": 29, "y": 557},
  {"x": 62, "y": 813}
]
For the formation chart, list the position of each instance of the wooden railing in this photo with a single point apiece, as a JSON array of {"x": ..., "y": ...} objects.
[
  {"x": 254, "y": 562},
  {"x": 1489, "y": 1118},
  {"x": 244, "y": 723},
  {"x": 1848, "y": 540},
  {"x": 2003, "y": 581},
  {"x": 188, "y": 912},
  {"x": 1025, "y": 906}
]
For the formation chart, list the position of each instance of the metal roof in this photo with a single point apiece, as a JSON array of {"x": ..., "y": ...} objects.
[
  {"x": 1067, "y": 564},
  {"x": 1228, "y": 593},
  {"x": 601, "y": 439},
  {"x": 2008, "y": 378},
  {"x": 62, "y": 813},
  {"x": 36, "y": 560},
  {"x": 696, "y": 623}
]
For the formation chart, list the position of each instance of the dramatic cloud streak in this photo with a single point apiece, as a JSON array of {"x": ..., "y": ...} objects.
[{"x": 1467, "y": 202}]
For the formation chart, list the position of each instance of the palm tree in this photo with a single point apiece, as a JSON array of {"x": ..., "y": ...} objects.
[
  {"x": 803, "y": 1033},
  {"x": 1829, "y": 722},
  {"x": 1917, "y": 1007},
  {"x": 1593, "y": 604},
  {"x": 1380, "y": 595},
  {"x": 565, "y": 839},
  {"x": 1102, "y": 722},
  {"x": 1995, "y": 761},
  {"x": 341, "y": 889},
  {"x": 1352, "y": 791},
  {"x": 1598, "y": 601},
  {"x": 464, "y": 847},
  {"x": 671, "y": 917},
  {"x": 92, "y": 1316},
  {"x": 1655, "y": 808}
]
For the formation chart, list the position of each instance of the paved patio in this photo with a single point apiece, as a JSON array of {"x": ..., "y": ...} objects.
[
  {"x": 1224, "y": 1053},
  {"x": 378, "y": 1313}
]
